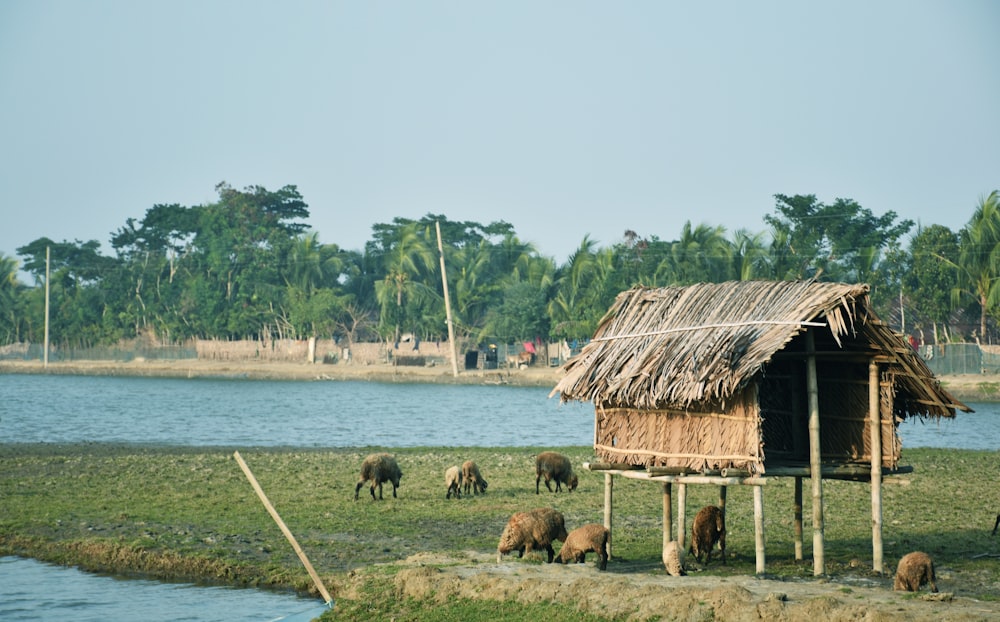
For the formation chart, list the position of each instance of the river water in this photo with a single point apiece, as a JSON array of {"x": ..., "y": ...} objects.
[{"x": 244, "y": 413}]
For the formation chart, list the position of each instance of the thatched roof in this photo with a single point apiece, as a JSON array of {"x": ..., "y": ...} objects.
[{"x": 678, "y": 346}]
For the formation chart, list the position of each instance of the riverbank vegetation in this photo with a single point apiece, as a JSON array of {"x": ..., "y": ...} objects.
[
  {"x": 190, "y": 514},
  {"x": 247, "y": 267}
]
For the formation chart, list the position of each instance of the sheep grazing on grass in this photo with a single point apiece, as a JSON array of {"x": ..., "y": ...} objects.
[
  {"x": 472, "y": 479},
  {"x": 673, "y": 559},
  {"x": 379, "y": 468},
  {"x": 453, "y": 481},
  {"x": 583, "y": 540},
  {"x": 531, "y": 531},
  {"x": 914, "y": 570},
  {"x": 554, "y": 466},
  {"x": 709, "y": 527}
]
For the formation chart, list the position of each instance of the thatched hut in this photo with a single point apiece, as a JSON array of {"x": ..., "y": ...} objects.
[{"x": 751, "y": 379}]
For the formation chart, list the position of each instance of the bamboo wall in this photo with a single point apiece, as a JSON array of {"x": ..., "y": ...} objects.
[{"x": 707, "y": 439}]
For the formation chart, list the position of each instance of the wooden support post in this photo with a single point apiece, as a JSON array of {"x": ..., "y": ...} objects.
[
  {"x": 681, "y": 514},
  {"x": 609, "y": 485},
  {"x": 797, "y": 519},
  {"x": 815, "y": 470},
  {"x": 875, "y": 422},
  {"x": 722, "y": 499},
  {"x": 667, "y": 519},
  {"x": 758, "y": 526}
]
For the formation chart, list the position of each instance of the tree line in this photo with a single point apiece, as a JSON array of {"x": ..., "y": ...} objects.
[{"x": 247, "y": 266}]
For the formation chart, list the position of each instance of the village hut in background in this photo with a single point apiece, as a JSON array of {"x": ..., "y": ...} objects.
[{"x": 732, "y": 383}]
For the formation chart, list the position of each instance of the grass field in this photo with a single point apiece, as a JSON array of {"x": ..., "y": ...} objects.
[{"x": 190, "y": 514}]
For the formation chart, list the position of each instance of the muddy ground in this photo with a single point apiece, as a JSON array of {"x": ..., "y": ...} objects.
[{"x": 637, "y": 592}]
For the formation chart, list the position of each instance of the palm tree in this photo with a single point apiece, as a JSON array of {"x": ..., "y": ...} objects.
[
  {"x": 979, "y": 259},
  {"x": 409, "y": 256}
]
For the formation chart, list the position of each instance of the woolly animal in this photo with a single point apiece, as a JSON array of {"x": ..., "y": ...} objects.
[
  {"x": 472, "y": 479},
  {"x": 379, "y": 468},
  {"x": 915, "y": 570},
  {"x": 453, "y": 482},
  {"x": 673, "y": 559},
  {"x": 708, "y": 529},
  {"x": 531, "y": 531},
  {"x": 592, "y": 537},
  {"x": 554, "y": 466}
]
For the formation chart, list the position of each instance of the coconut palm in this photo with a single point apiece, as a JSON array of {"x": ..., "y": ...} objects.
[{"x": 979, "y": 259}]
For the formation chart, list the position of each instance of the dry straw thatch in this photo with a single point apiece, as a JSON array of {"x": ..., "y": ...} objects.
[{"x": 678, "y": 375}]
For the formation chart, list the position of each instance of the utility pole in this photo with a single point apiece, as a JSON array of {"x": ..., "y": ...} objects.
[
  {"x": 447, "y": 304},
  {"x": 45, "y": 351}
]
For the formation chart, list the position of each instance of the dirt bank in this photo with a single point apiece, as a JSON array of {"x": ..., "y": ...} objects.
[
  {"x": 191, "y": 368},
  {"x": 964, "y": 387},
  {"x": 633, "y": 593}
]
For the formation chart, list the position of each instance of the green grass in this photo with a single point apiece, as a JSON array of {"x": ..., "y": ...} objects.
[{"x": 189, "y": 513}]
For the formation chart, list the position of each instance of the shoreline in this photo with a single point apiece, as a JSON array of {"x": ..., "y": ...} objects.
[{"x": 963, "y": 387}]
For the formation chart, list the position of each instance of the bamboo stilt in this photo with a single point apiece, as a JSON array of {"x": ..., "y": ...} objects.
[
  {"x": 797, "y": 519},
  {"x": 609, "y": 485},
  {"x": 758, "y": 527},
  {"x": 681, "y": 514},
  {"x": 667, "y": 518},
  {"x": 815, "y": 468},
  {"x": 876, "y": 452}
]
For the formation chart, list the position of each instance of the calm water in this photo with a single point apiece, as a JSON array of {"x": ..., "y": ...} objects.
[
  {"x": 30, "y": 590},
  {"x": 240, "y": 413},
  {"x": 244, "y": 413}
]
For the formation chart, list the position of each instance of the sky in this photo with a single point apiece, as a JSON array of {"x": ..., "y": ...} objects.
[{"x": 567, "y": 119}]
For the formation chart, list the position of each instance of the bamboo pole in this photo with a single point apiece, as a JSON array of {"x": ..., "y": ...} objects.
[
  {"x": 758, "y": 527},
  {"x": 667, "y": 518},
  {"x": 681, "y": 515},
  {"x": 876, "y": 452},
  {"x": 45, "y": 349},
  {"x": 815, "y": 468},
  {"x": 447, "y": 304},
  {"x": 609, "y": 485},
  {"x": 284, "y": 529},
  {"x": 797, "y": 519}
]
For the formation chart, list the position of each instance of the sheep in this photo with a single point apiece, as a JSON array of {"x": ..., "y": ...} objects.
[
  {"x": 453, "y": 481},
  {"x": 583, "y": 540},
  {"x": 553, "y": 466},
  {"x": 709, "y": 527},
  {"x": 379, "y": 468},
  {"x": 914, "y": 570},
  {"x": 534, "y": 530},
  {"x": 471, "y": 478},
  {"x": 673, "y": 559}
]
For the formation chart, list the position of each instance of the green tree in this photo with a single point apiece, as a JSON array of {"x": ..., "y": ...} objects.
[
  {"x": 932, "y": 274},
  {"x": 979, "y": 259}
]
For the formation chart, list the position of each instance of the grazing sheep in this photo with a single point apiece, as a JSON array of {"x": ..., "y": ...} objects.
[
  {"x": 709, "y": 527},
  {"x": 583, "y": 540},
  {"x": 673, "y": 559},
  {"x": 379, "y": 468},
  {"x": 534, "y": 530},
  {"x": 553, "y": 466},
  {"x": 453, "y": 480},
  {"x": 914, "y": 570},
  {"x": 471, "y": 478}
]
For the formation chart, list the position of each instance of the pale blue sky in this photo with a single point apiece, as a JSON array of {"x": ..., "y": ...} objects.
[{"x": 564, "y": 118}]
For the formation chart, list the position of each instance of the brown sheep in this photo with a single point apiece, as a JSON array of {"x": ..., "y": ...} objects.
[
  {"x": 379, "y": 468},
  {"x": 534, "y": 530},
  {"x": 709, "y": 527},
  {"x": 472, "y": 479},
  {"x": 914, "y": 570},
  {"x": 554, "y": 466},
  {"x": 453, "y": 480},
  {"x": 583, "y": 540},
  {"x": 673, "y": 559}
]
